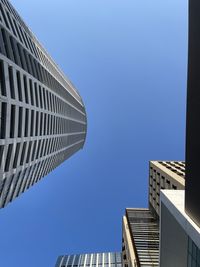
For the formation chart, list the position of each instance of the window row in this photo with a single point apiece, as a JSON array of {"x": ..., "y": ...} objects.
[
  {"x": 12, "y": 186},
  {"x": 163, "y": 183},
  {"x": 15, "y": 24},
  {"x": 106, "y": 259},
  {"x": 24, "y": 89},
  {"x": 174, "y": 166},
  {"x": 12, "y": 24},
  {"x": 15, "y": 155},
  {"x": 24, "y": 122},
  {"x": 15, "y": 52}
]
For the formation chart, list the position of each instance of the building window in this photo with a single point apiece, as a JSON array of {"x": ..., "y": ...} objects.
[{"x": 193, "y": 257}]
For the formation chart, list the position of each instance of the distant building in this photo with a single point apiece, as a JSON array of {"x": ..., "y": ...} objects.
[
  {"x": 107, "y": 259},
  {"x": 42, "y": 116}
]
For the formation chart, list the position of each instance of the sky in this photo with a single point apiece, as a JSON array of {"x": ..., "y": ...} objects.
[{"x": 128, "y": 60}]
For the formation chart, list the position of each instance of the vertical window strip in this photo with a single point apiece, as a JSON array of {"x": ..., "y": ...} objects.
[
  {"x": 12, "y": 121},
  {"x": 4, "y": 16},
  {"x": 8, "y": 158},
  {"x": 3, "y": 120},
  {"x": 2, "y": 79},
  {"x": 11, "y": 23},
  {"x": 16, "y": 157},
  {"x": 20, "y": 121},
  {"x": 11, "y": 81}
]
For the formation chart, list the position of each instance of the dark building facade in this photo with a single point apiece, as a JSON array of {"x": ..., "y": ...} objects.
[
  {"x": 107, "y": 259},
  {"x": 42, "y": 116},
  {"x": 192, "y": 200}
]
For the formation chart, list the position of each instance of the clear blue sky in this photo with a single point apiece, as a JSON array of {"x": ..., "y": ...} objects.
[{"x": 128, "y": 60}]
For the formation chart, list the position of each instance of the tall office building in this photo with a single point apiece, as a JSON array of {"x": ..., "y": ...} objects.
[
  {"x": 42, "y": 116},
  {"x": 107, "y": 259},
  {"x": 192, "y": 187},
  {"x": 140, "y": 227}
]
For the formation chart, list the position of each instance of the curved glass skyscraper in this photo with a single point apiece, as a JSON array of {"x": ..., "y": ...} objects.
[{"x": 42, "y": 116}]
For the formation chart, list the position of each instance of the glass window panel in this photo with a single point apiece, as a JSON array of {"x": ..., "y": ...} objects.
[
  {"x": 100, "y": 259},
  {"x": 118, "y": 257},
  {"x": 82, "y": 259},
  {"x": 194, "y": 263},
  {"x": 70, "y": 259},
  {"x": 88, "y": 259},
  {"x": 194, "y": 250},
  {"x": 94, "y": 259},
  {"x": 76, "y": 260},
  {"x": 106, "y": 258},
  {"x": 112, "y": 258}
]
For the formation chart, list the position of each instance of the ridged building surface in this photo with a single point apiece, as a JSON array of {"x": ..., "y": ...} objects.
[
  {"x": 107, "y": 259},
  {"x": 143, "y": 230},
  {"x": 42, "y": 116}
]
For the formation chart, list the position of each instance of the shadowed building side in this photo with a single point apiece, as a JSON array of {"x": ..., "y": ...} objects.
[
  {"x": 42, "y": 116},
  {"x": 192, "y": 186}
]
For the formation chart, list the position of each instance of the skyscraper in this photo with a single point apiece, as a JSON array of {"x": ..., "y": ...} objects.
[
  {"x": 192, "y": 200},
  {"x": 42, "y": 116},
  {"x": 106, "y": 259}
]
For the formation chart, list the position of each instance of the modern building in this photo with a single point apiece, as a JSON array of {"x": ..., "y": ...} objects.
[
  {"x": 141, "y": 227},
  {"x": 107, "y": 259},
  {"x": 164, "y": 175},
  {"x": 140, "y": 245},
  {"x": 42, "y": 116}
]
